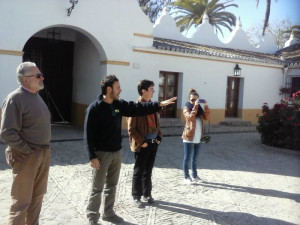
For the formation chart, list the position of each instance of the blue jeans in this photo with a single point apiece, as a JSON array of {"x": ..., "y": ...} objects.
[{"x": 191, "y": 152}]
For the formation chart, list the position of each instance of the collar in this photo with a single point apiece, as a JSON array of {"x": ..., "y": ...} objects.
[{"x": 27, "y": 89}]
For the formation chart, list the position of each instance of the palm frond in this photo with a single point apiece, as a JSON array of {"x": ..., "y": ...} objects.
[{"x": 194, "y": 10}]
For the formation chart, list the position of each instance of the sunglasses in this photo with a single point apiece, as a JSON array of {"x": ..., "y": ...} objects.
[
  {"x": 38, "y": 76},
  {"x": 193, "y": 100}
]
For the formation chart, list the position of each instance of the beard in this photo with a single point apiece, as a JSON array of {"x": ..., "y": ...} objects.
[{"x": 114, "y": 96}]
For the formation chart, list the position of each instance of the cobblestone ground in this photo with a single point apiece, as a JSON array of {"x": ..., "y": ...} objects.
[{"x": 246, "y": 183}]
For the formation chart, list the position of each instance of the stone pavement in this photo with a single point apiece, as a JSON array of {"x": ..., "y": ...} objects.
[{"x": 246, "y": 183}]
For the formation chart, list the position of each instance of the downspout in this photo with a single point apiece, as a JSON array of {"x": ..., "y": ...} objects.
[{"x": 284, "y": 80}]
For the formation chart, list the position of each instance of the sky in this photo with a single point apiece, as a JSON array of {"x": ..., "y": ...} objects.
[{"x": 251, "y": 15}]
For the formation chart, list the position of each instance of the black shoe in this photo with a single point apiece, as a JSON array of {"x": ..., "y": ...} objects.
[
  {"x": 150, "y": 200},
  {"x": 94, "y": 223},
  {"x": 113, "y": 219},
  {"x": 138, "y": 203}
]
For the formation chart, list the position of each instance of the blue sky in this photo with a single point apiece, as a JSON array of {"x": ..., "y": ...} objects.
[{"x": 251, "y": 15}]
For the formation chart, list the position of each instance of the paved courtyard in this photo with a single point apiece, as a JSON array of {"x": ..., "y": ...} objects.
[{"x": 246, "y": 183}]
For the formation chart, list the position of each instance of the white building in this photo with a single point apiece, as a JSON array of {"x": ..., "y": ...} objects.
[{"x": 103, "y": 37}]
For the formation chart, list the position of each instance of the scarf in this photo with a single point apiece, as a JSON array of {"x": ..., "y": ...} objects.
[
  {"x": 191, "y": 106},
  {"x": 151, "y": 123}
]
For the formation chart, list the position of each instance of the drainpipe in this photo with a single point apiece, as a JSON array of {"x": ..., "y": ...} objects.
[{"x": 285, "y": 70}]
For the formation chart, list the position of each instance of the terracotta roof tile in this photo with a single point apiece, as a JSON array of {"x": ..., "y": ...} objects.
[
  {"x": 186, "y": 47},
  {"x": 291, "y": 54}
]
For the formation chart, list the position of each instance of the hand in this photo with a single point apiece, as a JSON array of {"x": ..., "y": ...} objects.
[
  {"x": 145, "y": 145},
  {"x": 197, "y": 102},
  {"x": 95, "y": 163},
  {"x": 158, "y": 142},
  {"x": 167, "y": 102},
  {"x": 205, "y": 104}
]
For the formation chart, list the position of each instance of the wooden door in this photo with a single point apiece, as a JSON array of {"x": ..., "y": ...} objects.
[
  {"x": 232, "y": 97},
  {"x": 55, "y": 60},
  {"x": 168, "y": 83}
]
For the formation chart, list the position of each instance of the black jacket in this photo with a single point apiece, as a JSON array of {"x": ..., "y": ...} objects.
[{"x": 102, "y": 124}]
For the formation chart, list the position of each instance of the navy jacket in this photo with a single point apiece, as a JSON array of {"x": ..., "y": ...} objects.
[{"x": 102, "y": 125}]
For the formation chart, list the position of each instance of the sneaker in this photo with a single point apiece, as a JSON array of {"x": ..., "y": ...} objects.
[
  {"x": 150, "y": 200},
  {"x": 113, "y": 219},
  {"x": 197, "y": 179},
  {"x": 138, "y": 203},
  {"x": 188, "y": 180}
]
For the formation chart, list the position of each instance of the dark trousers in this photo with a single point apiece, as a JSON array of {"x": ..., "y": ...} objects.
[{"x": 144, "y": 162}]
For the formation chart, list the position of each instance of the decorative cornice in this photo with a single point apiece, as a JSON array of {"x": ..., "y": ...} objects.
[
  {"x": 10, "y": 52},
  {"x": 143, "y": 35},
  {"x": 210, "y": 58},
  {"x": 112, "y": 62},
  {"x": 205, "y": 50}
]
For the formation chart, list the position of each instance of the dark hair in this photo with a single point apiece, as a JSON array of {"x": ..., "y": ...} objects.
[
  {"x": 144, "y": 85},
  {"x": 193, "y": 92},
  {"x": 107, "y": 81}
]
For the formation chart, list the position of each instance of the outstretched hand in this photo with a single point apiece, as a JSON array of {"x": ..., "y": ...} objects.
[{"x": 167, "y": 102}]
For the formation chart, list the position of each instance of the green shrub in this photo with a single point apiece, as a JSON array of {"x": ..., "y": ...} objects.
[{"x": 280, "y": 126}]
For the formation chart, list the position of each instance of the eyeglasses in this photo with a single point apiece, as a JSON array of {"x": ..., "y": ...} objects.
[
  {"x": 38, "y": 76},
  {"x": 193, "y": 100}
]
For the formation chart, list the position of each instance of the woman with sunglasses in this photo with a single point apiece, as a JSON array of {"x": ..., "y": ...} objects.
[{"x": 195, "y": 111}]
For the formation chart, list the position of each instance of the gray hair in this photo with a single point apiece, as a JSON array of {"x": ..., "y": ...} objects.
[{"x": 23, "y": 69}]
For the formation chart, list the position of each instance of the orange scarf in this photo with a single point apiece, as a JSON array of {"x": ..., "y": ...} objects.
[{"x": 151, "y": 125}]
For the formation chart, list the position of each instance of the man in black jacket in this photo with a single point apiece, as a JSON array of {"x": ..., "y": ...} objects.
[{"x": 102, "y": 137}]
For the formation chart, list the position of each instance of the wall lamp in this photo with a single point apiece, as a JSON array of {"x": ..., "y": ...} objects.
[
  {"x": 237, "y": 70},
  {"x": 73, "y": 2}
]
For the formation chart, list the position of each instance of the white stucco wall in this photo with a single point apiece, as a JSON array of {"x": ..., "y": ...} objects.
[
  {"x": 105, "y": 31},
  {"x": 293, "y": 71},
  {"x": 87, "y": 70},
  {"x": 8, "y": 80},
  {"x": 106, "y": 20},
  {"x": 110, "y": 26},
  {"x": 261, "y": 83}
]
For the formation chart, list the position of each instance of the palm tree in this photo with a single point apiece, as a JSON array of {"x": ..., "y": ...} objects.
[
  {"x": 267, "y": 15},
  {"x": 191, "y": 12},
  {"x": 152, "y": 7}
]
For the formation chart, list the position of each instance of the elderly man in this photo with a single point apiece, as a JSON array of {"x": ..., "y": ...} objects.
[{"x": 26, "y": 129}]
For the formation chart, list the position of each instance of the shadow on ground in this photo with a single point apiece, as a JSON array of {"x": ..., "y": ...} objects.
[
  {"x": 219, "y": 217},
  {"x": 230, "y": 151},
  {"x": 250, "y": 190}
]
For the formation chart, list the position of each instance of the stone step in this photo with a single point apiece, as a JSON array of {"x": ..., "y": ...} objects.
[
  {"x": 236, "y": 122},
  {"x": 171, "y": 122},
  {"x": 174, "y": 127},
  {"x": 209, "y": 129}
]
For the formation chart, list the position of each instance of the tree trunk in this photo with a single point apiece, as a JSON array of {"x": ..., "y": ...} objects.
[{"x": 267, "y": 15}]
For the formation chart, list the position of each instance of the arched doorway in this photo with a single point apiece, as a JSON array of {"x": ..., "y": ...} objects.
[
  {"x": 55, "y": 60},
  {"x": 70, "y": 60}
]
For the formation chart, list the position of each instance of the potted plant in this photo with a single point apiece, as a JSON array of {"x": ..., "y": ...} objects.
[
  {"x": 279, "y": 126},
  {"x": 285, "y": 90}
]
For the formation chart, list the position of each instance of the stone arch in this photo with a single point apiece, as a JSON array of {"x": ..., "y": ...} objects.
[
  {"x": 88, "y": 34},
  {"x": 72, "y": 67}
]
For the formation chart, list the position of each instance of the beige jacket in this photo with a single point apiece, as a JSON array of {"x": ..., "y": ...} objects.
[{"x": 190, "y": 121}]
